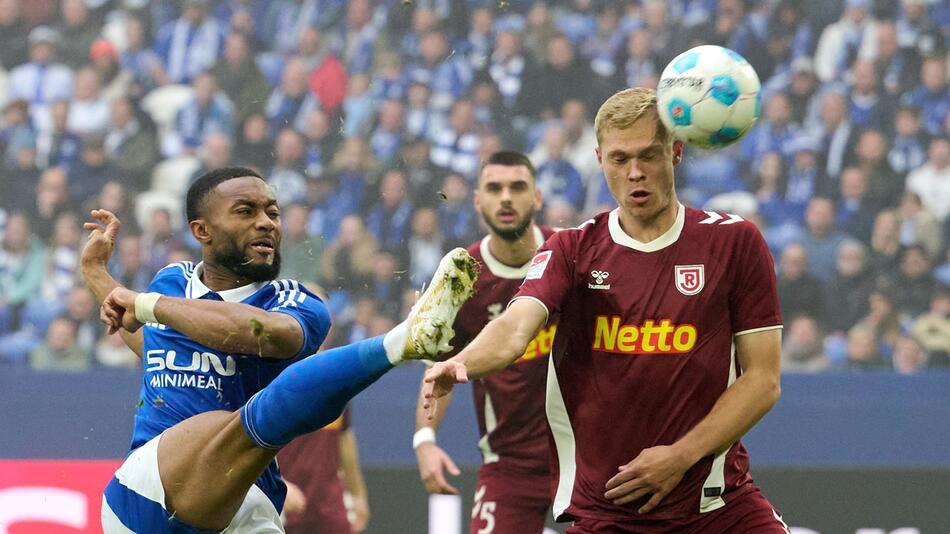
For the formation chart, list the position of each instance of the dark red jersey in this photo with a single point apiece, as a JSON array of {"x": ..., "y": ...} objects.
[
  {"x": 510, "y": 404},
  {"x": 644, "y": 349},
  {"x": 313, "y": 463}
]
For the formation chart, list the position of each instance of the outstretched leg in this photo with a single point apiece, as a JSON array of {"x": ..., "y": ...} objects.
[{"x": 209, "y": 462}]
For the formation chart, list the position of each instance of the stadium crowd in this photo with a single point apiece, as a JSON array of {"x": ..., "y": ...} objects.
[{"x": 370, "y": 119}]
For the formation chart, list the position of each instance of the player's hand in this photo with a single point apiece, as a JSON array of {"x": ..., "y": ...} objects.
[
  {"x": 295, "y": 502},
  {"x": 118, "y": 310},
  {"x": 360, "y": 516},
  {"x": 655, "y": 471},
  {"x": 439, "y": 381},
  {"x": 101, "y": 241},
  {"x": 433, "y": 462}
]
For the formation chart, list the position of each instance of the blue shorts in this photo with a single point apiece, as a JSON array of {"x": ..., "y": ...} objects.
[{"x": 134, "y": 503}]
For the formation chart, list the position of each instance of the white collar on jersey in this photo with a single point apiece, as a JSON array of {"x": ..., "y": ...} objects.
[
  {"x": 668, "y": 238},
  {"x": 501, "y": 270},
  {"x": 197, "y": 289}
]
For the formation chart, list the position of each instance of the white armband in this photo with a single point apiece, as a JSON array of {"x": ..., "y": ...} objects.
[
  {"x": 425, "y": 434},
  {"x": 145, "y": 307}
]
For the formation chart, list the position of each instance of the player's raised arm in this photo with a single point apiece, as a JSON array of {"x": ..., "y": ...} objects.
[{"x": 500, "y": 343}]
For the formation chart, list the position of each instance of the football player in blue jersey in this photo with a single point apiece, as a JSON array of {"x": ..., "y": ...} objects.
[{"x": 229, "y": 377}]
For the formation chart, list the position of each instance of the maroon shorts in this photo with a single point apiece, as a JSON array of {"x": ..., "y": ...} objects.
[
  {"x": 509, "y": 501},
  {"x": 750, "y": 513}
]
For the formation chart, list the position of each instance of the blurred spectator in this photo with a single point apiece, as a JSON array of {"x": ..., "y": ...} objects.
[
  {"x": 321, "y": 141},
  {"x": 238, "y": 76},
  {"x": 353, "y": 166},
  {"x": 358, "y": 107},
  {"x": 933, "y": 328},
  {"x": 22, "y": 257},
  {"x": 254, "y": 148},
  {"x": 446, "y": 75},
  {"x": 563, "y": 76},
  {"x": 78, "y": 30},
  {"x": 845, "y": 296},
  {"x": 932, "y": 180},
  {"x": 58, "y": 145},
  {"x": 855, "y": 210},
  {"x": 388, "y": 283},
  {"x": 354, "y": 38},
  {"x": 806, "y": 178},
  {"x": 42, "y": 80},
  {"x": 800, "y": 293},
  {"x": 286, "y": 176},
  {"x": 457, "y": 218},
  {"x": 513, "y": 72},
  {"x": 834, "y": 132},
  {"x": 839, "y": 42},
  {"x": 890, "y": 60},
  {"x": 113, "y": 197},
  {"x": 285, "y": 20},
  {"x": 915, "y": 281},
  {"x": 821, "y": 240},
  {"x": 801, "y": 85},
  {"x": 390, "y": 217},
  {"x": 420, "y": 120},
  {"x": 455, "y": 146},
  {"x": 477, "y": 43},
  {"x": 774, "y": 131},
  {"x": 557, "y": 179},
  {"x": 909, "y": 356},
  {"x": 863, "y": 353},
  {"x": 111, "y": 351},
  {"x": 52, "y": 199},
  {"x": 868, "y": 106},
  {"x": 214, "y": 153},
  {"x": 88, "y": 111},
  {"x": 662, "y": 30},
  {"x": 908, "y": 152},
  {"x": 490, "y": 113},
  {"x": 13, "y": 34},
  {"x": 638, "y": 62},
  {"x": 116, "y": 83},
  {"x": 138, "y": 59},
  {"x": 59, "y": 274},
  {"x": 16, "y": 131},
  {"x": 389, "y": 76},
  {"x": 191, "y": 44},
  {"x": 423, "y": 176},
  {"x": 387, "y": 136},
  {"x": 560, "y": 214},
  {"x": 884, "y": 185},
  {"x": 347, "y": 263},
  {"x": 918, "y": 225},
  {"x": 18, "y": 181},
  {"x": 802, "y": 350},
  {"x": 769, "y": 185},
  {"x": 300, "y": 251},
  {"x": 883, "y": 319},
  {"x": 425, "y": 246},
  {"x": 932, "y": 95},
  {"x": 886, "y": 244},
  {"x": 59, "y": 351},
  {"x": 328, "y": 76},
  {"x": 208, "y": 111},
  {"x": 131, "y": 146},
  {"x": 159, "y": 240},
  {"x": 90, "y": 174},
  {"x": 127, "y": 266},
  {"x": 290, "y": 102}
]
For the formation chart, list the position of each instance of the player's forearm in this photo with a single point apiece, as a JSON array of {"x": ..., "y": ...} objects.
[
  {"x": 350, "y": 464},
  {"x": 98, "y": 280},
  {"x": 498, "y": 345},
  {"x": 230, "y": 327},
  {"x": 738, "y": 409}
]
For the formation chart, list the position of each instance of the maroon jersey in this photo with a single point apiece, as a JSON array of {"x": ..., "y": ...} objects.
[
  {"x": 510, "y": 404},
  {"x": 313, "y": 463},
  {"x": 645, "y": 348}
]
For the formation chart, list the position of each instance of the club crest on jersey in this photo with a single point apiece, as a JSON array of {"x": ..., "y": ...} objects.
[
  {"x": 599, "y": 277},
  {"x": 689, "y": 279}
]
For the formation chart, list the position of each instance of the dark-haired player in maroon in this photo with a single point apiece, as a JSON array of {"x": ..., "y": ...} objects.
[
  {"x": 667, "y": 349},
  {"x": 513, "y": 492}
]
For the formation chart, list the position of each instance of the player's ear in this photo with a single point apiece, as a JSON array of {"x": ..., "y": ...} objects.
[
  {"x": 597, "y": 151},
  {"x": 476, "y": 200},
  {"x": 677, "y": 152},
  {"x": 199, "y": 229}
]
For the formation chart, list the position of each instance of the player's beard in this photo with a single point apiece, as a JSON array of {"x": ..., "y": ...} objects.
[
  {"x": 511, "y": 234},
  {"x": 232, "y": 257}
]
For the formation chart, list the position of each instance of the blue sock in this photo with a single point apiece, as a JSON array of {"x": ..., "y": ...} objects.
[{"x": 312, "y": 393}]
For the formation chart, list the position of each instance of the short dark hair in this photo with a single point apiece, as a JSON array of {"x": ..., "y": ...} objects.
[
  {"x": 509, "y": 158},
  {"x": 206, "y": 183}
]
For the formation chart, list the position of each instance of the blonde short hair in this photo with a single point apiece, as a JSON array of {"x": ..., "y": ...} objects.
[{"x": 626, "y": 107}]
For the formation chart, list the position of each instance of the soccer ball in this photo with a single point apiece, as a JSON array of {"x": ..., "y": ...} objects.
[{"x": 708, "y": 96}]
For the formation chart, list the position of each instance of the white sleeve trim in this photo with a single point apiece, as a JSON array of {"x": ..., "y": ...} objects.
[
  {"x": 762, "y": 329},
  {"x": 547, "y": 314}
]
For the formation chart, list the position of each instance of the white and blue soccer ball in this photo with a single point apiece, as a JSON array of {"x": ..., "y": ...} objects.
[{"x": 708, "y": 96}]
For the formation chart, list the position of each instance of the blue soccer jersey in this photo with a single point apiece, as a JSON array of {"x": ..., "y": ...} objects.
[{"x": 183, "y": 378}]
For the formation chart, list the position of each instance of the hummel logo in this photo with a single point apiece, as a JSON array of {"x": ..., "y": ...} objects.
[{"x": 599, "y": 277}]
